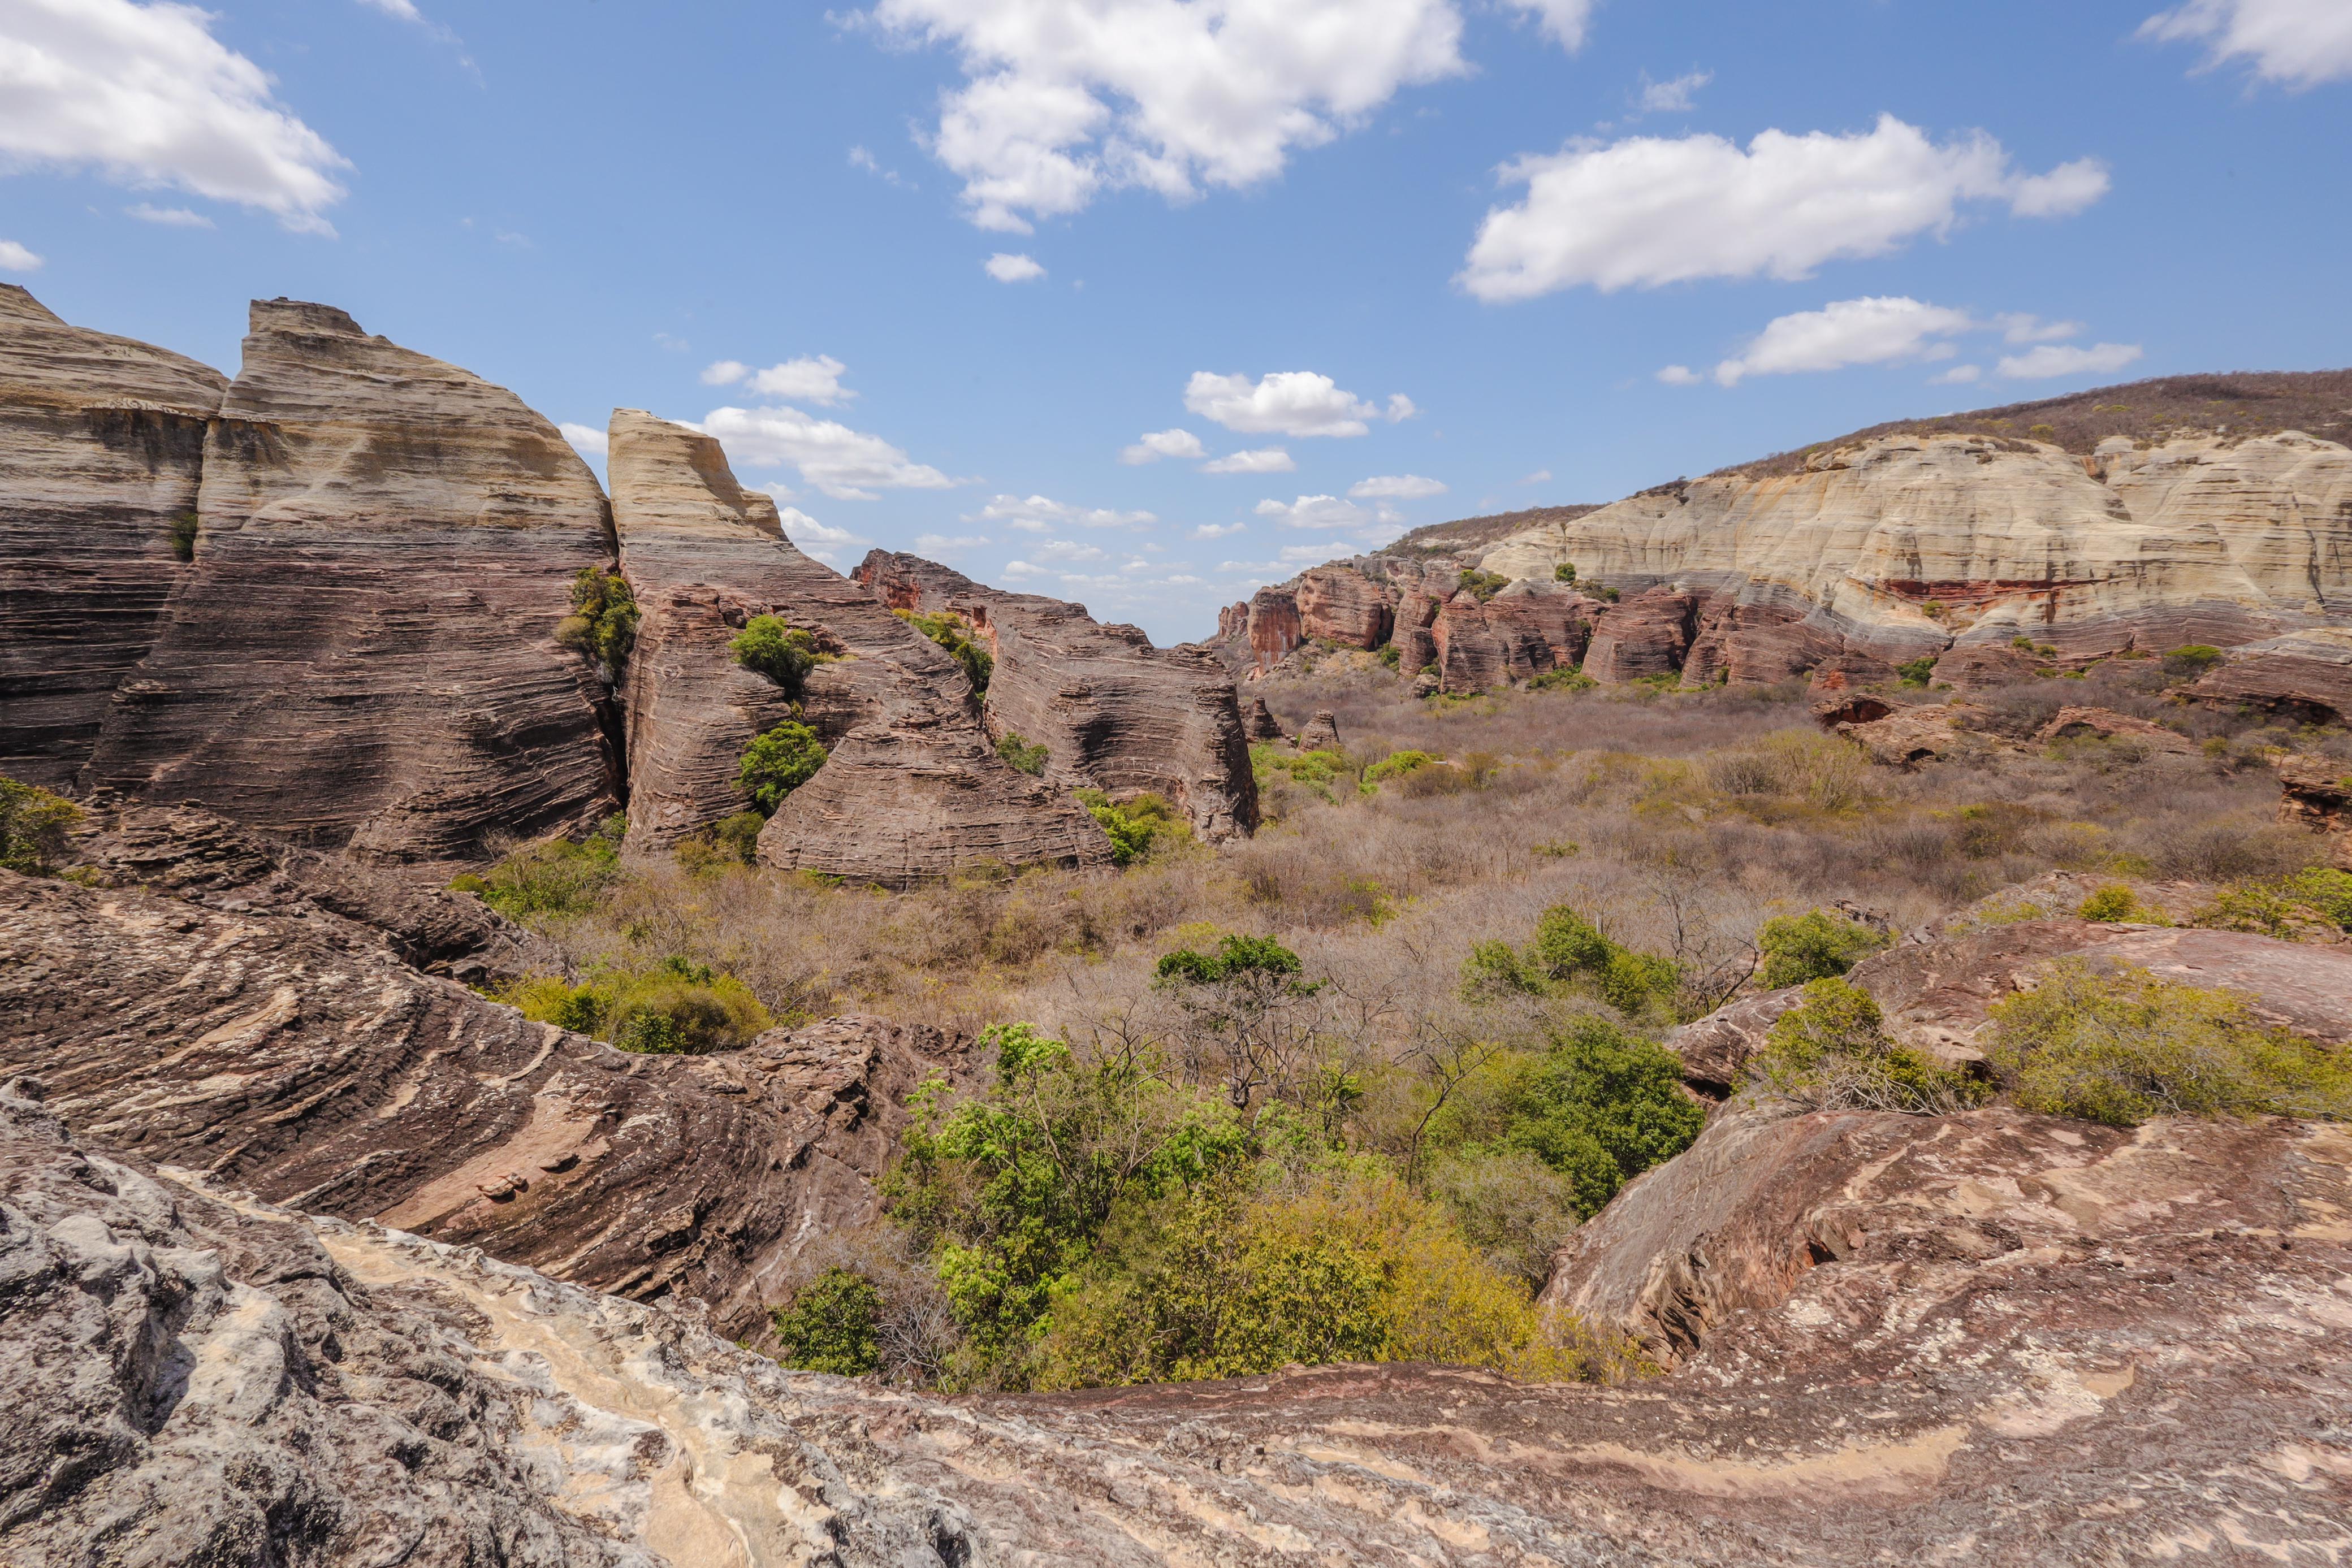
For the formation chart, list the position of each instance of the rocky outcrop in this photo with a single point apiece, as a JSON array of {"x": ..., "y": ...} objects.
[
  {"x": 1320, "y": 732},
  {"x": 105, "y": 439},
  {"x": 1273, "y": 629},
  {"x": 1259, "y": 723},
  {"x": 1338, "y": 604},
  {"x": 1901, "y": 1332},
  {"x": 1899, "y": 546},
  {"x": 2316, "y": 792},
  {"x": 1113, "y": 712},
  {"x": 2071, "y": 722},
  {"x": 287, "y": 1052},
  {"x": 2304, "y": 676},
  {"x": 1649, "y": 635},
  {"x": 363, "y": 653},
  {"x": 1908, "y": 736}
]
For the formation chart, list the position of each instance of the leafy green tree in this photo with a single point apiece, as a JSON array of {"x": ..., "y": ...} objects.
[
  {"x": 779, "y": 762},
  {"x": 1241, "y": 1007},
  {"x": 1020, "y": 754},
  {"x": 1832, "y": 1051},
  {"x": 555, "y": 877},
  {"x": 33, "y": 828},
  {"x": 773, "y": 647},
  {"x": 1564, "y": 572},
  {"x": 604, "y": 620},
  {"x": 1813, "y": 946},
  {"x": 832, "y": 1324},
  {"x": 1136, "y": 827}
]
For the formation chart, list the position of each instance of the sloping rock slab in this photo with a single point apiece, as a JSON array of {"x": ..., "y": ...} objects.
[
  {"x": 295, "y": 1057},
  {"x": 363, "y": 653},
  {"x": 105, "y": 444}
]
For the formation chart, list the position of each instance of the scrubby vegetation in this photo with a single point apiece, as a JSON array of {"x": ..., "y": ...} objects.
[
  {"x": 1814, "y": 945},
  {"x": 1137, "y": 827},
  {"x": 603, "y": 625},
  {"x": 1832, "y": 1052},
  {"x": 1482, "y": 586},
  {"x": 773, "y": 647},
  {"x": 1021, "y": 755},
  {"x": 34, "y": 825},
  {"x": 674, "y": 1007},
  {"x": 779, "y": 762},
  {"x": 554, "y": 876},
  {"x": 954, "y": 633}
]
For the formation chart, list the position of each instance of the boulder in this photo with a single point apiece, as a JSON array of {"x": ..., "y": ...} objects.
[
  {"x": 290, "y": 1054},
  {"x": 105, "y": 439},
  {"x": 2086, "y": 721},
  {"x": 1113, "y": 712},
  {"x": 1910, "y": 736},
  {"x": 1320, "y": 732},
  {"x": 1339, "y": 604},
  {"x": 2305, "y": 674},
  {"x": 363, "y": 653},
  {"x": 1648, "y": 634}
]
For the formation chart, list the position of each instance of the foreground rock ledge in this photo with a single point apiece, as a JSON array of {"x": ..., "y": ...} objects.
[{"x": 207, "y": 1379}]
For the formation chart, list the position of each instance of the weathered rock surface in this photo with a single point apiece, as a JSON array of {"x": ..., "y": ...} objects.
[
  {"x": 1910, "y": 736},
  {"x": 1273, "y": 629},
  {"x": 1337, "y": 604},
  {"x": 1113, "y": 712},
  {"x": 1259, "y": 723},
  {"x": 2316, "y": 792},
  {"x": 2197, "y": 538},
  {"x": 2303, "y": 675},
  {"x": 290, "y": 1054},
  {"x": 363, "y": 653},
  {"x": 2071, "y": 722},
  {"x": 1648, "y": 634},
  {"x": 1320, "y": 732},
  {"x": 105, "y": 439}
]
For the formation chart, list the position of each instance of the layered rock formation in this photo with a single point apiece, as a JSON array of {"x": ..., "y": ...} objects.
[
  {"x": 1113, "y": 712},
  {"x": 1898, "y": 547},
  {"x": 2306, "y": 675},
  {"x": 287, "y": 1051},
  {"x": 105, "y": 440},
  {"x": 362, "y": 652}
]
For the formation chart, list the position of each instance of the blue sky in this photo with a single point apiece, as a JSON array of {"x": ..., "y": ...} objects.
[{"x": 934, "y": 269}]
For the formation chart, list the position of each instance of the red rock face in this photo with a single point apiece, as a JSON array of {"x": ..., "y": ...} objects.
[
  {"x": 1338, "y": 604},
  {"x": 1113, "y": 712},
  {"x": 2303, "y": 675},
  {"x": 1645, "y": 635},
  {"x": 1233, "y": 622},
  {"x": 1753, "y": 644},
  {"x": 105, "y": 441},
  {"x": 1274, "y": 627},
  {"x": 1416, "y": 650},
  {"x": 363, "y": 653}
]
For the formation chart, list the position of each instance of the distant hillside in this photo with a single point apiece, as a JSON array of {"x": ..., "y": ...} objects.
[
  {"x": 1478, "y": 533},
  {"x": 2240, "y": 403}
]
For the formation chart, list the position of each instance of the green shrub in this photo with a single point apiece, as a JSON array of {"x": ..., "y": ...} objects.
[
  {"x": 771, "y": 646},
  {"x": 1611, "y": 594},
  {"x": 2285, "y": 908},
  {"x": 953, "y": 632},
  {"x": 33, "y": 828},
  {"x": 1568, "y": 679},
  {"x": 185, "y": 528},
  {"x": 1396, "y": 764},
  {"x": 831, "y": 1324},
  {"x": 1915, "y": 673},
  {"x": 1832, "y": 1051},
  {"x": 1314, "y": 769},
  {"x": 1814, "y": 945},
  {"x": 604, "y": 620},
  {"x": 2185, "y": 663},
  {"x": 673, "y": 1008},
  {"x": 1482, "y": 586},
  {"x": 2121, "y": 1048},
  {"x": 1564, "y": 572},
  {"x": 1023, "y": 756},
  {"x": 1571, "y": 950},
  {"x": 1389, "y": 655},
  {"x": 2116, "y": 900},
  {"x": 1136, "y": 827},
  {"x": 779, "y": 762},
  {"x": 556, "y": 876}
]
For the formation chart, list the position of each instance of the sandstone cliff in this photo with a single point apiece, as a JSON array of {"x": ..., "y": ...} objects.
[
  {"x": 105, "y": 441},
  {"x": 284, "y": 1050},
  {"x": 1113, "y": 712},
  {"x": 362, "y": 652}
]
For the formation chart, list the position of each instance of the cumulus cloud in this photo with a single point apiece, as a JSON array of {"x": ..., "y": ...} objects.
[
  {"x": 943, "y": 544},
  {"x": 1008, "y": 268},
  {"x": 1396, "y": 487},
  {"x": 1957, "y": 376},
  {"x": 1264, "y": 460},
  {"x": 1671, "y": 97},
  {"x": 1314, "y": 512},
  {"x": 1063, "y": 98},
  {"x": 1160, "y": 443},
  {"x": 2016, "y": 327},
  {"x": 1037, "y": 514},
  {"x": 2298, "y": 44},
  {"x": 170, "y": 217},
  {"x": 2052, "y": 360},
  {"x": 811, "y": 378},
  {"x": 827, "y": 544},
  {"x": 15, "y": 257},
  {"x": 1874, "y": 331},
  {"x": 587, "y": 438},
  {"x": 1648, "y": 211},
  {"x": 1680, "y": 376},
  {"x": 147, "y": 97},
  {"x": 1218, "y": 530},
  {"x": 1286, "y": 402},
  {"x": 846, "y": 465},
  {"x": 1563, "y": 21},
  {"x": 1071, "y": 550},
  {"x": 1541, "y": 477}
]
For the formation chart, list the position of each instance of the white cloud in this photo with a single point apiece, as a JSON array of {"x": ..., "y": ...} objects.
[
  {"x": 15, "y": 257},
  {"x": 1957, "y": 376},
  {"x": 1673, "y": 96},
  {"x": 1563, "y": 21},
  {"x": 1648, "y": 211},
  {"x": 1541, "y": 477},
  {"x": 2052, "y": 360},
  {"x": 827, "y": 544},
  {"x": 1036, "y": 514},
  {"x": 941, "y": 544},
  {"x": 1160, "y": 443},
  {"x": 1286, "y": 402},
  {"x": 1070, "y": 550},
  {"x": 1874, "y": 331},
  {"x": 1067, "y": 97},
  {"x": 586, "y": 437},
  {"x": 1396, "y": 487},
  {"x": 170, "y": 217},
  {"x": 859, "y": 158},
  {"x": 2298, "y": 44},
  {"x": 1314, "y": 512},
  {"x": 2016, "y": 327},
  {"x": 1008, "y": 268},
  {"x": 147, "y": 97},
  {"x": 811, "y": 379},
  {"x": 777, "y": 491},
  {"x": 1680, "y": 376},
  {"x": 846, "y": 464},
  {"x": 1264, "y": 460},
  {"x": 1218, "y": 530},
  {"x": 405, "y": 9}
]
